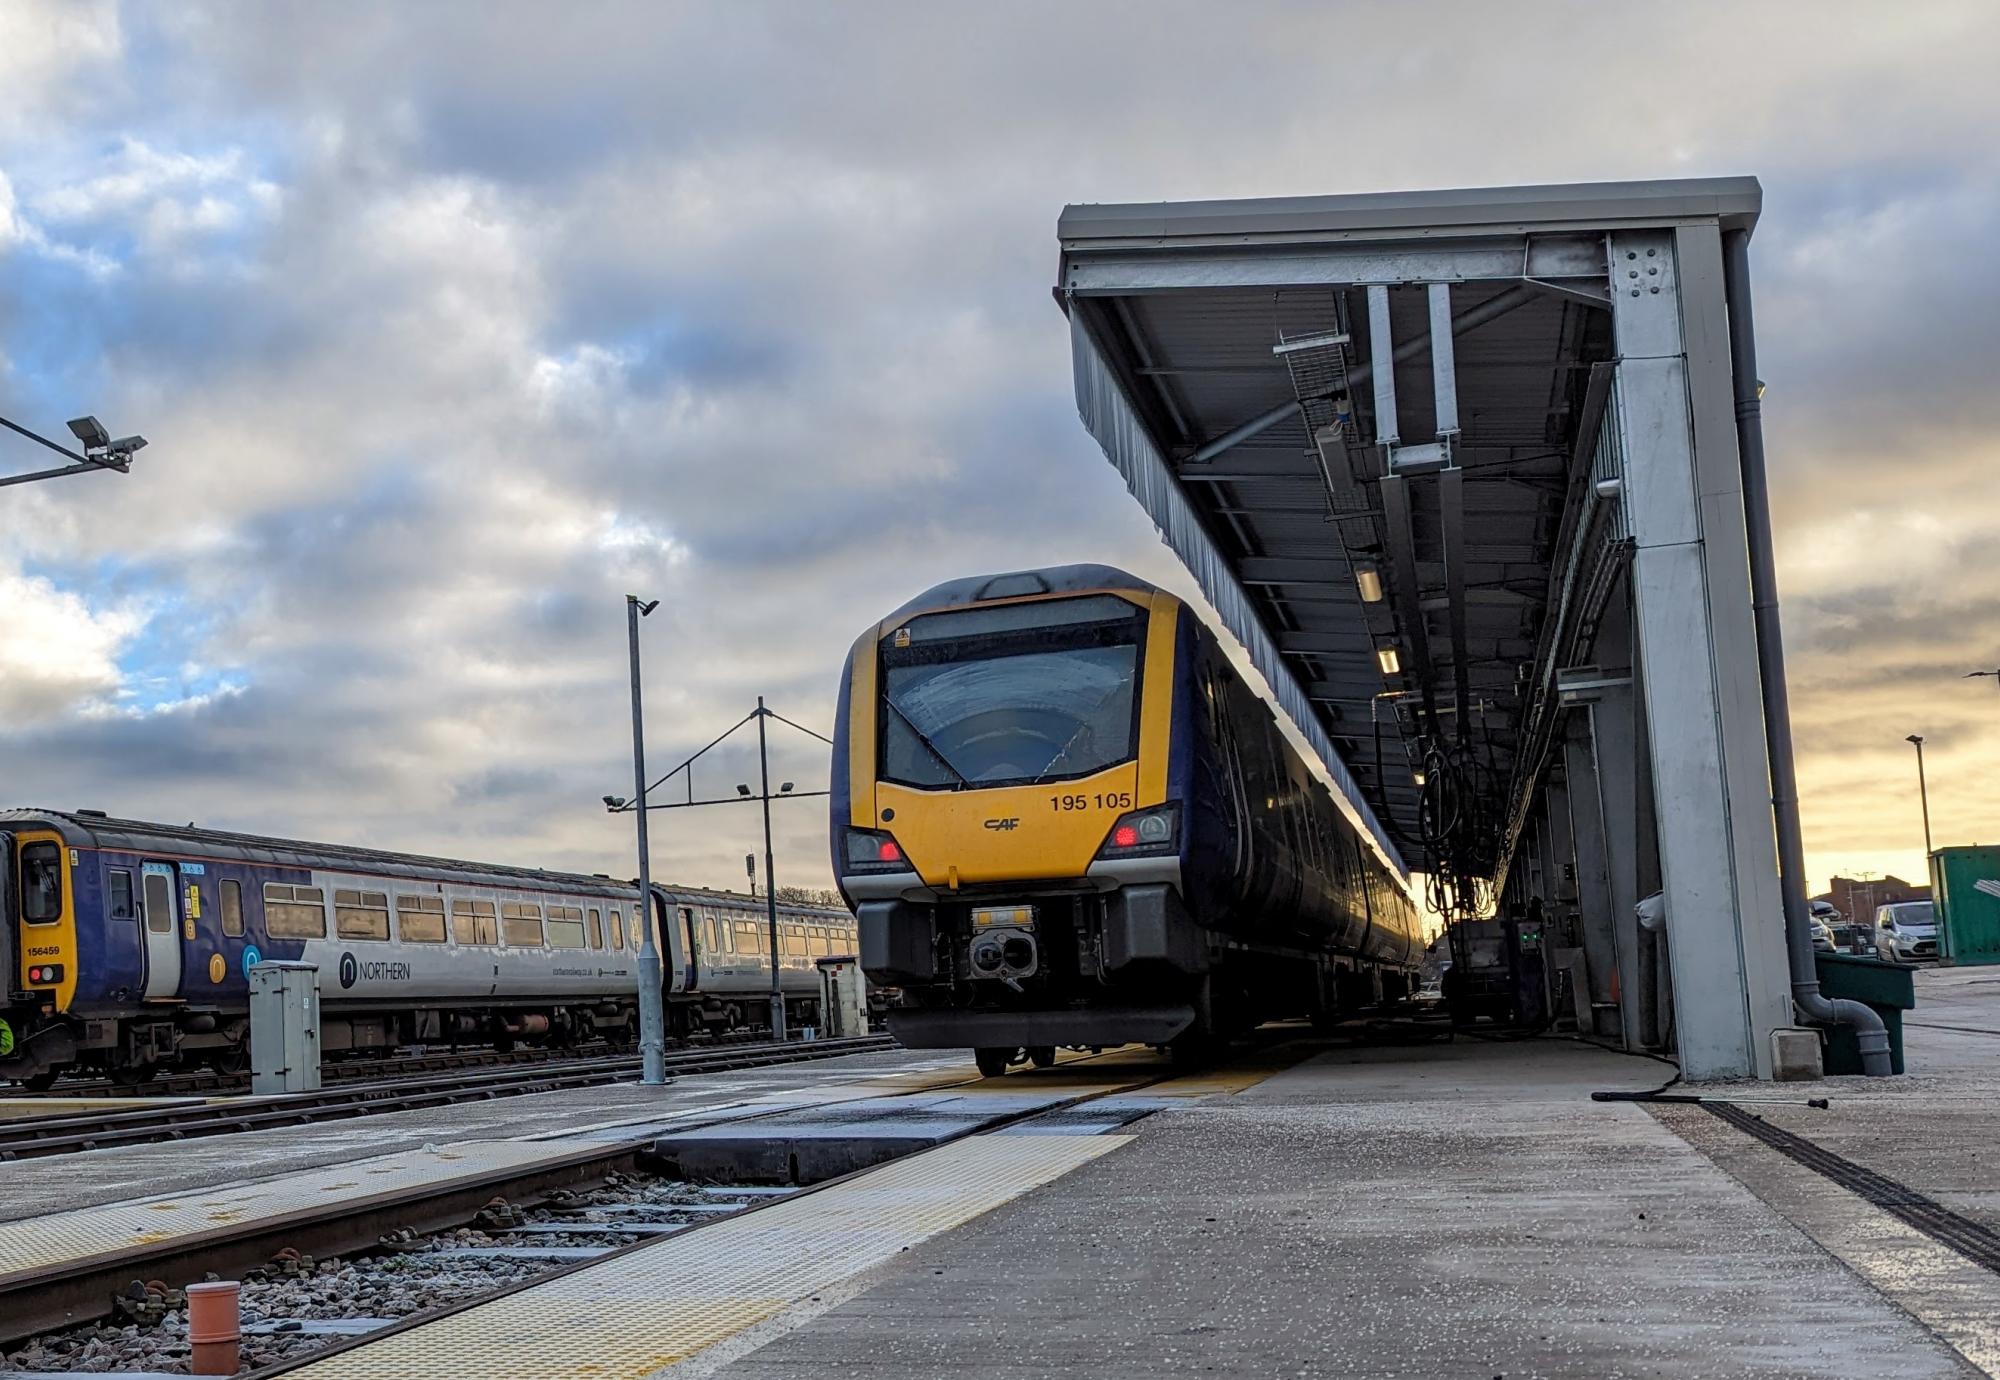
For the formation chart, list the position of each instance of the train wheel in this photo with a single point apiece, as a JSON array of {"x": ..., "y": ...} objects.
[
  {"x": 1042, "y": 1056},
  {"x": 992, "y": 1060},
  {"x": 133, "y": 1075},
  {"x": 230, "y": 1059},
  {"x": 42, "y": 1081}
]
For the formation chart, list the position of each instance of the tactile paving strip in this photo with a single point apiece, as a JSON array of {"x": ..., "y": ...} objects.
[
  {"x": 59, "y": 1238},
  {"x": 638, "y": 1312}
]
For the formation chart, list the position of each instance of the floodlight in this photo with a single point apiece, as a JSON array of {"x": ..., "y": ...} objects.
[
  {"x": 91, "y": 432},
  {"x": 743, "y": 791},
  {"x": 614, "y": 802},
  {"x": 126, "y": 446},
  {"x": 785, "y": 789}
]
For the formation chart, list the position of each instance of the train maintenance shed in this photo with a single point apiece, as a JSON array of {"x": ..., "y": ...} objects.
[{"x": 1476, "y": 478}]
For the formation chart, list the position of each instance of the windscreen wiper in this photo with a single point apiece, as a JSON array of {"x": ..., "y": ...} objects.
[{"x": 924, "y": 738}]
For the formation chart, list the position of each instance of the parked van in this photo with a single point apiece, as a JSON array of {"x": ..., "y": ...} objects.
[{"x": 1906, "y": 931}]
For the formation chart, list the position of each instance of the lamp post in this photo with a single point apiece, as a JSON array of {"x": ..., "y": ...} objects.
[
  {"x": 652, "y": 1013},
  {"x": 1923, "y": 794},
  {"x": 100, "y": 451}
]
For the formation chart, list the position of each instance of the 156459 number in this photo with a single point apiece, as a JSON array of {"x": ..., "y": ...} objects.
[{"x": 1102, "y": 800}]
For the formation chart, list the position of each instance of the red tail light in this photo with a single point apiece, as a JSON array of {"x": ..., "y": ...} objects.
[
  {"x": 1125, "y": 836},
  {"x": 887, "y": 851}
]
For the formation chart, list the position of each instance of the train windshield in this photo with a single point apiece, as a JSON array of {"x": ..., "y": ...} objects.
[{"x": 1011, "y": 694}]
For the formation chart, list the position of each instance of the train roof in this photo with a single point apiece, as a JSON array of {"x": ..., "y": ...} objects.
[
  {"x": 145, "y": 836},
  {"x": 1054, "y": 579}
]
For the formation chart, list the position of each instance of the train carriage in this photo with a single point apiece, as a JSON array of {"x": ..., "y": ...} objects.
[
  {"x": 1063, "y": 818},
  {"x": 128, "y": 947}
]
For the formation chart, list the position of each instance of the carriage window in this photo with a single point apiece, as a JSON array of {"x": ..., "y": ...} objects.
[
  {"x": 718, "y": 936},
  {"x": 748, "y": 940},
  {"x": 617, "y": 929},
  {"x": 232, "y": 908},
  {"x": 294, "y": 912},
  {"x": 420, "y": 919},
  {"x": 795, "y": 943},
  {"x": 565, "y": 927},
  {"x": 473, "y": 922},
  {"x": 361, "y": 914},
  {"x": 521, "y": 923},
  {"x": 596, "y": 928},
  {"x": 41, "y": 883},
  {"x": 121, "y": 906}
]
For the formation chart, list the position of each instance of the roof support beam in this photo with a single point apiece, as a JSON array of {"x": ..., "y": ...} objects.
[
  {"x": 1471, "y": 319},
  {"x": 1403, "y": 555},
  {"x": 1451, "y": 505}
]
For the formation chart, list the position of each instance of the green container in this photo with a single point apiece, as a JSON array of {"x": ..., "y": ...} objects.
[
  {"x": 1889, "y": 988},
  {"x": 1965, "y": 885}
]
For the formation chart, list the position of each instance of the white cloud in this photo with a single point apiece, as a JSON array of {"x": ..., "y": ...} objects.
[{"x": 57, "y": 654}]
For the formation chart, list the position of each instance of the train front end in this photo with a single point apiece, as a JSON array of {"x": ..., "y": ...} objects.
[
  {"x": 1007, "y": 815},
  {"x": 38, "y": 949}
]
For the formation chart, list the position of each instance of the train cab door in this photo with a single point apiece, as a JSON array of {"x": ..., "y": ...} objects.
[{"x": 163, "y": 932}]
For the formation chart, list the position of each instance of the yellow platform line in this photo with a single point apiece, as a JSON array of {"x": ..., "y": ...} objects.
[{"x": 637, "y": 1312}]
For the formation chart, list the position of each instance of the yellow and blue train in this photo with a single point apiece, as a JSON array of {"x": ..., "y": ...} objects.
[
  {"x": 127, "y": 947},
  {"x": 1062, "y": 818}
]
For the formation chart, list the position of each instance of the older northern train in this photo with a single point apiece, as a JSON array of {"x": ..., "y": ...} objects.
[
  {"x": 1064, "y": 819},
  {"x": 128, "y": 947}
]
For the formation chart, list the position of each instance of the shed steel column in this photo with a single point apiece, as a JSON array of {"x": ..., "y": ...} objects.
[
  {"x": 1594, "y": 909},
  {"x": 1698, "y": 651}
]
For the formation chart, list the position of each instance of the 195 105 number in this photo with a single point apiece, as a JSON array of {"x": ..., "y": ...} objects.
[{"x": 1103, "y": 800}]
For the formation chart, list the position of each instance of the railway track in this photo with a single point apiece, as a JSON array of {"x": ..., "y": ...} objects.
[
  {"x": 81, "y": 1290},
  {"x": 34, "y": 1137},
  {"x": 199, "y": 1081}
]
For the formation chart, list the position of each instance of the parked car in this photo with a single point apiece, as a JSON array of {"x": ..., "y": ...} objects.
[
  {"x": 1906, "y": 931},
  {"x": 1822, "y": 934}
]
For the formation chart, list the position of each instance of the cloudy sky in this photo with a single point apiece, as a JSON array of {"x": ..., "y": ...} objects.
[{"x": 450, "y": 324}]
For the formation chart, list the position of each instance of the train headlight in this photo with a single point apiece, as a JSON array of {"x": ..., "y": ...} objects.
[
  {"x": 874, "y": 850},
  {"x": 1142, "y": 833}
]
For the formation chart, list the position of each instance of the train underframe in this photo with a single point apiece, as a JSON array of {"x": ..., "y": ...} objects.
[
  {"x": 1095, "y": 969},
  {"x": 135, "y": 1049}
]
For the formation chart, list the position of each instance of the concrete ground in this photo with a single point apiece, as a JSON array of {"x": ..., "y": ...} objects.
[
  {"x": 31, "y": 1187},
  {"x": 1459, "y": 1209}
]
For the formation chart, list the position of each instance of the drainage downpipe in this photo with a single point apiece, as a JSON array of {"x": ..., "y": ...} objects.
[{"x": 1869, "y": 1032}]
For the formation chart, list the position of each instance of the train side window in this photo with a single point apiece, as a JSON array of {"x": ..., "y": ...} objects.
[
  {"x": 617, "y": 929},
  {"x": 718, "y": 936},
  {"x": 795, "y": 943},
  {"x": 420, "y": 919},
  {"x": 361, "y": 914},
  {"x": 473, "y": 922},
  {"x": 232, "y": 909},
  {"x": 41, "y": 883},
  {"x": 565, "y": 927},
  {"x": 294, "y": 912},
  {"x": 596, "y": 928},
  {"x": 120, "y": 905},
  {"x": 521, "y": 925},
  {"x": 748, "y": 940}
]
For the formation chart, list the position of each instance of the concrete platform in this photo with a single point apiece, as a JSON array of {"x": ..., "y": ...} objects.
[{"x": 1458, "y": 1210}]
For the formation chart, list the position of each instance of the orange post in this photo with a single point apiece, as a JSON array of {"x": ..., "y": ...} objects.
[{"x": 215, "y": 1326}]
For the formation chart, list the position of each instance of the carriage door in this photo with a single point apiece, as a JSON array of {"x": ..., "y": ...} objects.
[{"x": 163, "y": 932}]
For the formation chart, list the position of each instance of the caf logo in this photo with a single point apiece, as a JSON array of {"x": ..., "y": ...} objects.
[{"x": 349, "y": 970}]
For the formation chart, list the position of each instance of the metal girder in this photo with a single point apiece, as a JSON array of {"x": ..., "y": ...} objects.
[
  {"x": 1403, "y": 558},
  {"x": 1471, "y": 319},
  {"x": 1451, "y": 506},
  {"x": 1309, "y": 642},
  {"x": 1105, "y": 272}
]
